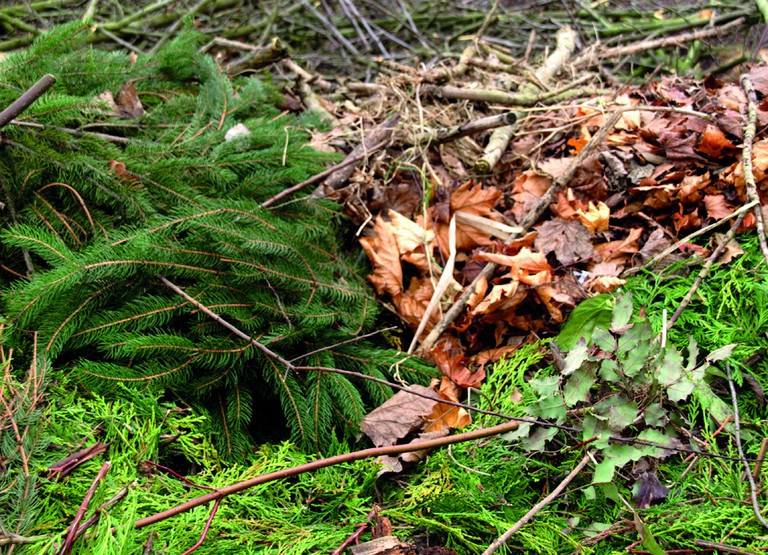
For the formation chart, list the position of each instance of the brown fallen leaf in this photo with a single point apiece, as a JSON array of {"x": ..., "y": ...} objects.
[
  {"x": 400, "y": 415},
  {"x": 128, "y": 103},
  {"x": 384, "y": 255},
  {"x": 443, "y": 417},
  {"x": 450, "y": 359},
  {"x": 717, "y": 207},
  {"x": 570, "y": 241}
]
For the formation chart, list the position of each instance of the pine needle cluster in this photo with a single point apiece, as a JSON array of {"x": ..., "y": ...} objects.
[{"x": 98, "y": 208}]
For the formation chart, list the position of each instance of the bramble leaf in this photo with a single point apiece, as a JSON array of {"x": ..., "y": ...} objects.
[
  {"x": 577, "y": 388},
  {"x": 622, "y": 312}
]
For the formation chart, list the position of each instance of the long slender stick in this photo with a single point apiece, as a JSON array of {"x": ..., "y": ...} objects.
[
  {"x": 322, "y": 463},
  {"x": 501, "y": 540}
]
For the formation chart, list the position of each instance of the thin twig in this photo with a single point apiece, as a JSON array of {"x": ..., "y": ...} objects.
[
  {"x": 746, "y": 161},
  {"x": 25, "y": 100},
  {"x": 703, "y": 274},
  {"x": 501, "y": 540},
  {"x": 242, "y": 335},
  {"x": 83, "y": 507},
  {"x": 322, "y": 175},
  {"x": 737, "y": 434}
]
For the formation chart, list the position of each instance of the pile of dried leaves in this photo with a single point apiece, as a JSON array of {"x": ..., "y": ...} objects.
[{"x": 572, "y": 205}]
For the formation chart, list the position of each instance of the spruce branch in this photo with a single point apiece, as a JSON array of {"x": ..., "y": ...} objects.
[{"x": 230, "y": 327}]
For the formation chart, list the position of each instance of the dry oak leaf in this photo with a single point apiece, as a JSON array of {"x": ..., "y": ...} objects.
[
  {"x": 400, "y": 415},
  {"x": 605, "y": 284},
  {"x": 734, "y": 175},
  {"x": 501, "y": 299},
  {"x": 732, "y": 249},
  {"x": 545, "y": 290},
  {"x": 413, "y": 241},
  {"x": 412, "y": 304},
  {"x": 128, "y": 103},
  {"x": 453, "y": 365},
  {"x": 713, "y": 142},
  {"x": 570, "y": 241},
  {"x": 382, "y": 251},
  {"x": 691, "y": 187},
  {"x": 567, "y": 205},
  {"x": 596, "y": 217}
]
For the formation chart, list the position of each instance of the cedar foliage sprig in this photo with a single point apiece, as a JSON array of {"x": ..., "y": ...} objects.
[{"x": 92, "y": 220}]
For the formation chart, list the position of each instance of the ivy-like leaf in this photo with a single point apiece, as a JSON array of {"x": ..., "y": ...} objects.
[
  {"x": 609, "y": 370},
  {"x": 622, "y": 313},
  {"x": 545, "y": 386},
  {"x": 551, "y": 407},
  {"x": 538, "y": 439},
  {"x": 655, "y": 415},
  {"x": 669, "y": 374},
  {"x": 577, "y": 388},
  {"x": 596, "y": 427},
  {"x": 722, "y": 353}
]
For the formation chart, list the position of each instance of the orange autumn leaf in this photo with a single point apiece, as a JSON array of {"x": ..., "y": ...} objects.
[
  {"x": 713, "y": 142},
  {"x": 382, "y": 251},
  {"x": 596, "y": 217},
  {"x": 620, "y": 251},
  {"x": 445, "y": 417}
]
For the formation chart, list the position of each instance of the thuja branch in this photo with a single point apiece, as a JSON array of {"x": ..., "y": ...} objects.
[{"x": 323, "y": 463}]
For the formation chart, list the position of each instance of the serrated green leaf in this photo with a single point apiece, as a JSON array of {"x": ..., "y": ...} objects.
[
  {"x": 604, "y": 340},
  {"x": 551, "y": 408},
  {"x": 597, "y": 311},
  {"x": 634, "y": 359},
  {"x": 653, "y": 435},
  {"x": 722, "y": 353},
  {"x": 609, "y": 370},
  {"x": 589, "y": 493},
  {"x": 622, "y": 453},
  {"x": 621, "y": 416},
  {"x": 693, "y": 354},
  {"x": 670, "y": 369},
  {"x": 545, "y": 386},
  {"x": 538, "y": 439},
  {"x": 593, "y": 427},
  {"x": 655, "y": 415},
  {"x": 576, "y": 390},
  {"x": 575, "y": 357},
  {"x": 522, "y": 431},
  {"x": 604, "y": 471},
  {"x": 622, "y": 312}
]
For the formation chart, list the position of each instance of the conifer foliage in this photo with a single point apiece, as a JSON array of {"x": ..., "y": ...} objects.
[{"x": 97, "y": 208}]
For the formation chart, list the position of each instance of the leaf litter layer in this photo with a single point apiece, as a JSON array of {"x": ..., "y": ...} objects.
[{"x": 528, "y": 297}]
